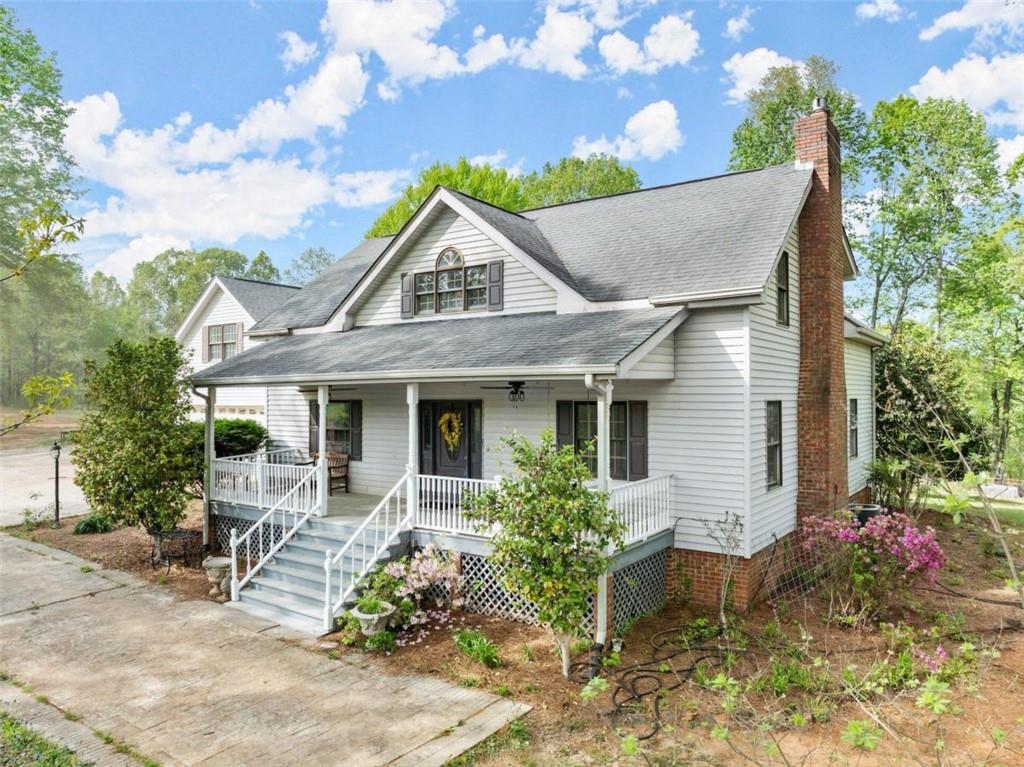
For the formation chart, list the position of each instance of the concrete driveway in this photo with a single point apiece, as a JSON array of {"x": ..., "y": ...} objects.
[
  {"x": 26, "y": 482},
  {"x": 192, "y": 682}
]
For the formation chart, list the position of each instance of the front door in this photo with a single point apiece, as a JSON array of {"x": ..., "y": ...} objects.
[{"x": 450, "y": 436}]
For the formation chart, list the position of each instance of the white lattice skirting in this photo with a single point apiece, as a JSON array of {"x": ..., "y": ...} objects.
[
  {"x": 639, "y": 588},
  {"x": 222, "y": 525}
]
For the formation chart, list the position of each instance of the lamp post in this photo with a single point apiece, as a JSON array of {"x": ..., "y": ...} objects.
[{"x": 55, "y": 452}]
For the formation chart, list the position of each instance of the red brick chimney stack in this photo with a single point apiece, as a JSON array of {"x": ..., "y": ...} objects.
[{"x": 821, "y": 398}]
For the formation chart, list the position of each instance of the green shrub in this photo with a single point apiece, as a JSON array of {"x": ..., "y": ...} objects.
[
  {"x": 382, "y": 641},
  {"x": 369, "y": 604},
  {"x": 232, "y": 436},
  {"x": 475, "y": 645},
  {"x": 92, "y": 524}
]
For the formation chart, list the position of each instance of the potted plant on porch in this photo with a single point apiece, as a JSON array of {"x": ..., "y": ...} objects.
[{"x": 372, "y": 614}]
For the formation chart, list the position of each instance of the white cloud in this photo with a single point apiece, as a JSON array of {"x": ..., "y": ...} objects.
[
  {"x": 558, "y": 43},
  {"x": 737, "y": 26},
  {"x": 612, "y": 14},
  {"x": 623, "y": 93},
  {"x": 296, "y": 50},
  {"x": 649, "y": 134},
  {"x": 486, "y": 51},
  {"x": 1009, "y": 150},
  {"x": 366, "y": 188},
  {"x": 672, "y": 40},
  {"x": 989, "y": 17},
  {"x": 122, "y": 261},
  {"x": 497, "y": 160},
  {"x": 886, "y": 10},
  {"x": 747, "y": 69},
  {"x": 399, "y": 33},
  {"x": 994, "y": 86}
]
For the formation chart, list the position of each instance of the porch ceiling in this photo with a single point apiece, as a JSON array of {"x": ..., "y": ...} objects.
[{"x": 536, "y": 344}]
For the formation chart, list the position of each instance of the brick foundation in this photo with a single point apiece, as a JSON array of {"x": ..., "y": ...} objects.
[{"x": 696, "y": 576}]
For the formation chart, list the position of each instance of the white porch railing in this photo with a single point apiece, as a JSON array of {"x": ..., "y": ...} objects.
[
  {"x": 441, "y": 502},
  {"x": 645, "y": 506},
  {"x": 274, "y": 529},
  {"x": 364, "y": 549},
  {"x": 262, "y": 480}
]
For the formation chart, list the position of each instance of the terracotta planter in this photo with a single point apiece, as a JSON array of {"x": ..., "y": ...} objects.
[{"x": 373, "y": 623}]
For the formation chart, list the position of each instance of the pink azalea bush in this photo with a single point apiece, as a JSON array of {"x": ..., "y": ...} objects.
[
  {"x": 409, "y": 582},
  {"x": 865, "y": 566}
]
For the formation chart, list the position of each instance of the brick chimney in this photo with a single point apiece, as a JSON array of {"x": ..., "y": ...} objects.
[{"x": 821, "y": 397}]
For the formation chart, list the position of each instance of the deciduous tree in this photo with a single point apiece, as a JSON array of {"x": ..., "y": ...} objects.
[
  {"x": 573, "y": 178},
  {"x": 308, "y": 265},
  {"x": 553, "y": 534}
]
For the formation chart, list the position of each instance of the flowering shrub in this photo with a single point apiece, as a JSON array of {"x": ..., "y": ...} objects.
[
  {"x": 864, "y": 566},
  {"x": 406, "y": 582}
]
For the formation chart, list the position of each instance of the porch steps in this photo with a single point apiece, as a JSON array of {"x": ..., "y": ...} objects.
[{"x": 289, "y": 590}]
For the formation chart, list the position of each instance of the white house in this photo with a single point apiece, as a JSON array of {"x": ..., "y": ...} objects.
[
  {"x": 695, "y": 331},
  {"x": 215, "y": 329}
]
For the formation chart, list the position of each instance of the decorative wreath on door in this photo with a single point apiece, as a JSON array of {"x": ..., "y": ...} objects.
[{"x": 450, "y": 424}]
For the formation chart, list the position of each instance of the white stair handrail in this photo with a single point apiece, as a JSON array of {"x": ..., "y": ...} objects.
[
  {"x": 364, "y": 548},
  {"x": 302, "y": 500}
]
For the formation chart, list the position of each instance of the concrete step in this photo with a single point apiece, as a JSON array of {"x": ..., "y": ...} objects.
[
  {"x": 279, "y": 571},
  {"x": 283, "y": 592},
  {"x": 316, "y": 546},
  {"x": 293, "y": 621},
  {"x": 282, "y": 602}
]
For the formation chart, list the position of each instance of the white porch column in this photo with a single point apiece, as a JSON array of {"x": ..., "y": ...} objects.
[
  {"x": 604, "y": 402},
  {"x": 210, "y": 448},
  {"x": 604, "y": 457},
  {"x": 323, "y": 396},
  {"x": 412, "y": 399}
]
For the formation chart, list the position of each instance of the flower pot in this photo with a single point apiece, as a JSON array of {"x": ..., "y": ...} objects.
[
  {"x": 864, "y": 511},
  {"x": 373, "y": 623}
]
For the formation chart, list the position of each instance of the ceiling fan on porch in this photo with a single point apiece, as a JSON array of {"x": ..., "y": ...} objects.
[{"x": 516, "y": 391}]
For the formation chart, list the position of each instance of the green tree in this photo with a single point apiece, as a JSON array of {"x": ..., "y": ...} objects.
[
  {"x": 765, "y": 137},
  {"x": 263, "y": 269},
  {"x": 573, "y": 178},
  {"x": 35, "y": 169},
  {"x": 163, "y": 290},
  {"x": 922, "y": 396},
  {"x": 985, "y": 297},
  {"x": 494, "y": 185},
  {"x": 936, "y": 186},
  {"x": 133, "y": 454},
  {"x": 552, "y": 533},
  {"x": 308, "y": 265}
]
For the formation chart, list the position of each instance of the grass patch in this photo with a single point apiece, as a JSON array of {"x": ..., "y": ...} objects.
[
  {"x": 473, "y": 644},
  {"x": 515, "y": 737},
  {"x": 22, "y": 747}
]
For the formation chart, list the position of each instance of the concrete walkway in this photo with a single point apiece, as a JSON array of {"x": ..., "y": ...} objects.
[
  {"x": 188, "y": 683},
  {"x": 26, "y": 482}
]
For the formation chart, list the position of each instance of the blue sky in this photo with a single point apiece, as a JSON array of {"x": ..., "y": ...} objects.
[{"x": 279, "y": 126}]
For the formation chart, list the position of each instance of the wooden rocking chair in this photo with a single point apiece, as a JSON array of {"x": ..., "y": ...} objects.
[{"x": 337, "y": 471}]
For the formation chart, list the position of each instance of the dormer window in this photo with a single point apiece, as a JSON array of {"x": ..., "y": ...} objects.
[{"x": 453, "y": 287}]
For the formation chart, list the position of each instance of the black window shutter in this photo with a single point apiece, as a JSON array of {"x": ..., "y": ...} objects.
[
  {"x": 637, "y": 425},
  {"x": 495, "y": 286},
  {"x": 356, "y": 415},
  {"x": 314, "y": 436},
  {"x": 407, "y": 308},
  {"x": 563, "y": 423}
]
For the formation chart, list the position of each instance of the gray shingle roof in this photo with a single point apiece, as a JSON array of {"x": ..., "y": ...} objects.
[
  {"x": 315, "y": 303},
  {"x": 696, "y": 237},
  {"x": 523, "y": 232},
  {"x": 520, "y": 341},
  {"x": 256, "y": 297}
]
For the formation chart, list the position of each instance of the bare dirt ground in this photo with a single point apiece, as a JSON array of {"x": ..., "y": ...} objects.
[
  {"x": 984, "y": 723},
  {"x": 38, "y": 433}
]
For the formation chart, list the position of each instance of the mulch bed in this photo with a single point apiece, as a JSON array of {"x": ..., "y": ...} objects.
[{"x": 126, "y": 549}]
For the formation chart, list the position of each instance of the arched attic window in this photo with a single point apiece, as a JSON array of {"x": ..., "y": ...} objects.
[{"x": 452, "y": 286}]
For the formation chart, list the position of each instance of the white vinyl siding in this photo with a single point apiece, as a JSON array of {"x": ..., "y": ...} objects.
[
  {"x": 523, "y": 290},
  {"x": 658, "y": 363},
  {"x": 859, "y": 387},
  {"x": 774, "y": 375},
  {"x": 244, "y": 401},
  {"x": 696, "y": 428}
]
